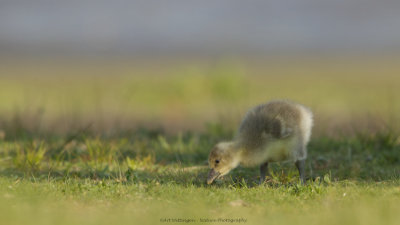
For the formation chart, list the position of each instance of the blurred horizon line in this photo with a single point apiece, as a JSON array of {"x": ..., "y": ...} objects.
[{"x": 92, "y": 27}]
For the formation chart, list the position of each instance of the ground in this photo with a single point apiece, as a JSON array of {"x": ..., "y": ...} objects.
[
  {"x": 154, "y": 178},
  {"x": 71, "y": 154}
]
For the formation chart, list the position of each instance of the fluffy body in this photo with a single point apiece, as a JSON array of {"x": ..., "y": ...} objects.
[
  {"x": 272, "y": 132},
  {"x": 276, "y": 131}
]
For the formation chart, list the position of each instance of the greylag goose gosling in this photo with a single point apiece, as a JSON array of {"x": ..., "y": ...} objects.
[{"x": 273, "y": 132}]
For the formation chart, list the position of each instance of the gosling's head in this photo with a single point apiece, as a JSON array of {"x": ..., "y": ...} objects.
[{"x": 222, "y": 159}]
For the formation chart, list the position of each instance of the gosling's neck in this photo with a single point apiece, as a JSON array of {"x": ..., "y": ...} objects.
[
  {"x": 241, "y": 154},
  {"x": 237, "y": 152}
]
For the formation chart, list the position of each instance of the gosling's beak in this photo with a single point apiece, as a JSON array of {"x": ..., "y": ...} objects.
[{"x": 212, "y": 175}]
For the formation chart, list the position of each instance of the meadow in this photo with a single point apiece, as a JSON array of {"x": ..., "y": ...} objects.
[{"x": 127, "y": 142}]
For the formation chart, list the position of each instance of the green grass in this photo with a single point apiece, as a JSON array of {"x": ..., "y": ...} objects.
[
  {"x": 86, "y": 201},
  {"x": 152, "y": 176}
]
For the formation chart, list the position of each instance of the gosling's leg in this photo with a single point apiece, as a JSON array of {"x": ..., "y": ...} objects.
[
  {"x": 301, "y": 164},
  {"x": 263, "y": 172}
]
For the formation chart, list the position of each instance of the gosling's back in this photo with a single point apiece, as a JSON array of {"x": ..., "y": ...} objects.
[{"x": 273, "y": 122}]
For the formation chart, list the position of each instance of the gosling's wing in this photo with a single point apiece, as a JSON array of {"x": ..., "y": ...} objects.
[
  {"x": 283, "y": 118},
  {"x": 275, "y": 120},
  {"x": 278, "y": 128},
  {"x": 263, "y": 125}
]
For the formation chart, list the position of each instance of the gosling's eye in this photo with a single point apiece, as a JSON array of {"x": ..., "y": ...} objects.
[{"x": 217, "y": 161}]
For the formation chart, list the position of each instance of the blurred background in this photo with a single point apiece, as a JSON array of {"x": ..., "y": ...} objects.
[{"x": 119, "y": 65}]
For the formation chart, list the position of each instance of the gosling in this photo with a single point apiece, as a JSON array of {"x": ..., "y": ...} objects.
[{"x": 276, "y": 131}]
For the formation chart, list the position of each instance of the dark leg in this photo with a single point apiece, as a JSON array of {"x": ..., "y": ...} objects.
[
  {"x": 263, "y": 172},
  {"x": 301, "y": 164}
]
